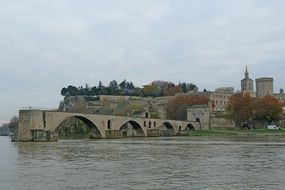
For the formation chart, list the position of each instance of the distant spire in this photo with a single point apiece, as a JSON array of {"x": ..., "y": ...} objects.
[{"x": 246, "y": 73}]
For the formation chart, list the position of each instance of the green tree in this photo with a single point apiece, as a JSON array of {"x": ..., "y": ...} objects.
[
  {"x": 183, "y": 85},
  {"x": 129, "y": 88},
  {"x": 123, "y": 85},
  {"x": 114, "y": 87},
  {"x": 138, "y": 92},
  {"x": 72, "y": 90},
  {"x": 150, "y": 90},
  {"x": 100, "y": 85},
  {"x": 155, "y": 89},
  {"x": 14, "y": 123},
  {"x": 64, "y": 92}
]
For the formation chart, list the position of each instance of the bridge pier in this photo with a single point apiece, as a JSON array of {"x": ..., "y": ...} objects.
[
  {"x": 113, "y": 134},
  {"x": 153, "y": 132},
  {"x": 30, "y": 125}
]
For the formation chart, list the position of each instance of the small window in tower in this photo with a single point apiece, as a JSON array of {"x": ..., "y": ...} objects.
[{"x": 109, "y": 124}]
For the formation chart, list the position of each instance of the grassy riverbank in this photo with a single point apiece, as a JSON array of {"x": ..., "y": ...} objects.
[{"x": 238, "y": 132}]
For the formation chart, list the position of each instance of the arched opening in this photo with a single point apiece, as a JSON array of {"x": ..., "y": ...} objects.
[
  {"x": 149, "y": 124},
  {"x": 190, "y": 127},
  {"x": 166, "y": 129},
  {"x": 198, "y": 120},
  {"x": 77, "y": 127},
  {"x": 132, "y": 129},
  {"x": 146, "y": 115},
  {"x": 109, "y": 124}
]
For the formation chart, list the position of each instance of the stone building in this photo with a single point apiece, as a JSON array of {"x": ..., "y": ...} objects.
[
  {"x": 247, "y": 84},
  {"x": 264, "y": 87},
  {"x": 280, "y": 96},
  {"x": 221, "y": 98},
  {"x": 201, "y": 114},
  {"x": 218, "y": 99}
]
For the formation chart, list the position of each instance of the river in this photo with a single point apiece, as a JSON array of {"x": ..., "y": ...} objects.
[{"x": 144, "y": 163}]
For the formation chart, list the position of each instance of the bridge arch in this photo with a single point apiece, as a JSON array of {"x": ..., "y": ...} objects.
[
  {"x": 132, "y": 128},
  {"x": 190, "y": 127},
  {"x": 89, "y": 123},
  {"x": 167, "y": 129}
]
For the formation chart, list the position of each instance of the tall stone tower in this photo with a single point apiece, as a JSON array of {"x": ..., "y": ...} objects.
[
  {"x": 247, "y": 83},
  {"x": 264, "y": 87}
]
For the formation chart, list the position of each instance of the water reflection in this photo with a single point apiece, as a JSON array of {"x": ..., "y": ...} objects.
[{"x": 144, "y": 163}]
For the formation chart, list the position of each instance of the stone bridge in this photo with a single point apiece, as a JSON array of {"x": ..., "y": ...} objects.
[{"x": 42, "y": 125}]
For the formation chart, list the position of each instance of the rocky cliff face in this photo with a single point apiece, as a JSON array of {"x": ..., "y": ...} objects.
[
  {"x": 116, "y": 105},
  {"x": 73, "y": 104}
]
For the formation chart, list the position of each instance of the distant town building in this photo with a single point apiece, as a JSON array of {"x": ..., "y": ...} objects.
[
  {"x": 201, "y": 114},
  {"x": 280, "y": 95},
  {"x": 264, "y": 87},
  {"x": 219, "y": 99},
  {"x": 247, "y": 84}
]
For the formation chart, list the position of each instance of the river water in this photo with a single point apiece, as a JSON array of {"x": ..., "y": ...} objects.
[{"x": 144, "y": 163}]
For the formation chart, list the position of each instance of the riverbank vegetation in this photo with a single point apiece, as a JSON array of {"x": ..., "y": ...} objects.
[
  {"x": 7, "y": 128},
  {"x": 238, "y": 132}
]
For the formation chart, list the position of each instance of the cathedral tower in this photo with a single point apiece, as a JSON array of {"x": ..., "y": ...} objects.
[{"x": 247, "y": 83}]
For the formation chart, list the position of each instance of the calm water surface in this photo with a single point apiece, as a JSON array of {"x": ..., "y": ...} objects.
[{"x": 153, "y": 163}]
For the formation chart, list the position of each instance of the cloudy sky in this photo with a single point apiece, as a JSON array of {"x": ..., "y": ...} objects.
[{"x": 48, "y": 44}]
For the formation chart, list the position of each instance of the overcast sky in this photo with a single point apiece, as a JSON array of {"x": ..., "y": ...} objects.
[{"x": 49, "y": 44}]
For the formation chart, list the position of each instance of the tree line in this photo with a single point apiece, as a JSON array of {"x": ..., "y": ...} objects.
[
  {"x": 154, "y": 89},
  {"x": 243, "y": 108},
  {"x": 10, "y": 127}
]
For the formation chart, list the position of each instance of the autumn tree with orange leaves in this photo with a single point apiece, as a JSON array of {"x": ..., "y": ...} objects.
[
  {"x": 243, "y": 108},
  {"x": 171, "y": 91},
  {"x": 267, "y": 109},
  {"x": 177, "y": 108},
  {"x": 240, "y": 108}
]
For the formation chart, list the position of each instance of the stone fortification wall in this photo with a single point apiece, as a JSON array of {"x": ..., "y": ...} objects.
[
  {"x": 139, "y": 106},
  {"x": 218, "y": 123},
  {"x": 74, "y": 104},
  {"x": 117, "y": 105},
  {"x": 119, "y": 98}
]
